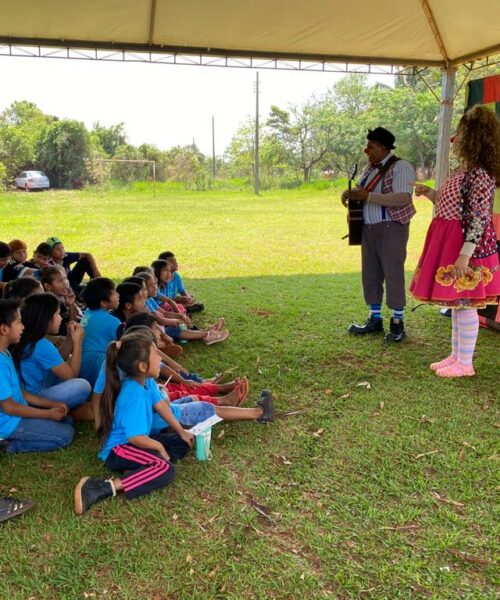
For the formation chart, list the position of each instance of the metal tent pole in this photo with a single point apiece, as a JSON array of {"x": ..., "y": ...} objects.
[{"x": 444, "y": 131}]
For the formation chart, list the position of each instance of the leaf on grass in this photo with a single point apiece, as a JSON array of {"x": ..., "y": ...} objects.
[
  {"x": 403, "y": 527},
  {"x": 328, "y": 392},
  {"x": 476, "y": 560},
  {"x": 285, "y": 460},
  {"x": 221, "y": 434},
  {"x": 425, "y": 419},
  {"x": 189, "y": 558},
  {"x": 365, "y": 384},
  {"x": 462, "y": 454},
  {"x": 446, "y": 500},
  {"x": 303, "y": 576},
  {"x": 257, "y": 362},
  {"x": 13, "y": 490},
  {"x": 260, "y": 509},
  {"x": 426, "y": 454},
  {"x": 467, "y": 445},
  {"x": 344, "y": 396},
  {"x": 291, "y": 414},
  {"x": 175, "y": 516},
  {"x": 318, "y": 433},
  {"x": 382, "y": 404},
  {"x": 191, "y": 571}
]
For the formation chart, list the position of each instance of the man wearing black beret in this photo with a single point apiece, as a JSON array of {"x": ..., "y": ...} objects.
[{"x": 385, "y": 188}]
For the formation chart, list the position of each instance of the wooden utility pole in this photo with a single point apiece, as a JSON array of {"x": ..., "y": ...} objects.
[
  {"x": 256, "y": 165},
  {"x": 213, "y": 147}
]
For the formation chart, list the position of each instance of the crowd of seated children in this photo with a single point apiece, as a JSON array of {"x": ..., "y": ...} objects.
[{"x": 104, "y": 352}]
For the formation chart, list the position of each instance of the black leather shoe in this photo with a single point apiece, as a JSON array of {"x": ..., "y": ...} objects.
[
  {"x": 371, "y": 325},
  {"x": 397, "y": 331},
  {"x": 266, "y": 403},
  {"x": 89, "y": 491}
]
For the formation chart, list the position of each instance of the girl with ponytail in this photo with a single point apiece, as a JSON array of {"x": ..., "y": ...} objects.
[{"x": 126, "y": 421}]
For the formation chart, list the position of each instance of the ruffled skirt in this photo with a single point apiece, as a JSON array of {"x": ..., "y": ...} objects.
[{"x": 434, "y": 280}]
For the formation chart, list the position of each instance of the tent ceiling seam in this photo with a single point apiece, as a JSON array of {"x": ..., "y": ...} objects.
[{"x": 435, "y": 29}]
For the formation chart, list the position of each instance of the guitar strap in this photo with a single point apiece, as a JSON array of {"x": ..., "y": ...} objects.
[{"x": 381, "y": 172}]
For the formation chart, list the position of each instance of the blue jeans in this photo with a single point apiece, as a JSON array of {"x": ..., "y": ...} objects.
[
  {"x": 40, "y": 435},
  {"x": 71, "y": 392}
]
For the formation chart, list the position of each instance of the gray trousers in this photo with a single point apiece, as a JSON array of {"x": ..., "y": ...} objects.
[{"x": 383, "y": 255}]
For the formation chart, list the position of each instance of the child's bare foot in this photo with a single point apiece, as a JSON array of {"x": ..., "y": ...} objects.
[{"x": 231, "y": 399}]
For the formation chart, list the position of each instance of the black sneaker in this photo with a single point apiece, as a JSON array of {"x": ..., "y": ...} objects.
[
  {"x": 194, "y": 308},
  {"x": 266, "y": 403},
  {"x": 397, "y": 331},
  {"x": 90, "y": 491},
  {"x": 10, "y": 507},
  {"x": 371, "y": 325}
]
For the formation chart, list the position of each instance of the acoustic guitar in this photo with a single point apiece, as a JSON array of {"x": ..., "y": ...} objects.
[{"x": 354, "y": 215}]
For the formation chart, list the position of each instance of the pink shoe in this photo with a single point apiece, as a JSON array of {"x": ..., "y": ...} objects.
[
  {"x": 456, "y": 370},
  {"x": 214, "y": 337},
  {"x": 446, "y": 362}
]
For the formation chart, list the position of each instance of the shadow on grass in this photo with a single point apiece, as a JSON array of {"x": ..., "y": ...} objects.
[{"x": 334, "y": 501}]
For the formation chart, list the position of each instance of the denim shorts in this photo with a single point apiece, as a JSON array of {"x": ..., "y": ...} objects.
[
  {"x": 192, "y": 413},
  {"x": 174, "y": 331}
]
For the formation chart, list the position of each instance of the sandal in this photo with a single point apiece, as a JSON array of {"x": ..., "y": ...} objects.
[{"x": 242, "y": 390}]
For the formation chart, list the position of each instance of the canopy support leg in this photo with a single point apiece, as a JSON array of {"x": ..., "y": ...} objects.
[{"x": 445, "y": 114}]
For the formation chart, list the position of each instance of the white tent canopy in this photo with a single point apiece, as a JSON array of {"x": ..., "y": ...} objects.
[{"x": 438, "y": 33}]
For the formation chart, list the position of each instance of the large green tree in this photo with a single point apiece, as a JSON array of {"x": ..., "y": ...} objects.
[{"x": 63, "y": 151}]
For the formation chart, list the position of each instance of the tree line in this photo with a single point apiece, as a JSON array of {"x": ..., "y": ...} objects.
[{"x": 324, "y": 137}]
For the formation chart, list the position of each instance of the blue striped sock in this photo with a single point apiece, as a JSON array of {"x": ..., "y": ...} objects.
[
  {"x": 398, "y": 313},
  {"x": 376, "y": 311}
]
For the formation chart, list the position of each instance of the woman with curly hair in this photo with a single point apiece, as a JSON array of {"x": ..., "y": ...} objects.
[{"x": 459, "y": 266}]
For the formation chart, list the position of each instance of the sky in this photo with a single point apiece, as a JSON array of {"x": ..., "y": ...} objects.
[{"x": 164, "y": 105}]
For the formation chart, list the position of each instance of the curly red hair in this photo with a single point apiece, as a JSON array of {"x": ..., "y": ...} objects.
[{"x": 478, "y": 142}]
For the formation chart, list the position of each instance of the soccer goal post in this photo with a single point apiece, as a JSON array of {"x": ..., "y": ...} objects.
[{"x": 110, "y": 161}]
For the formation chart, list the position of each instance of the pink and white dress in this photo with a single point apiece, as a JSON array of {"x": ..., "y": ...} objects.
[{"x": 464, "y": 208}]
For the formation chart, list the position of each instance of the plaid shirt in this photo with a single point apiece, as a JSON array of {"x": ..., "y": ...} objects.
[{"x": 401, "y": 214}]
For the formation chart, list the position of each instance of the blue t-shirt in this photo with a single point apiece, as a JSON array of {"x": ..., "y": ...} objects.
[
  {"x": 174, "y": 287},
  {"x": 100, "y": 329},
  {"x": 36, "y": 371},
  {"x": 10, "y": 387},
  {"x": 133, "y": 415},
  {"x": 154, "y": 394},
  {"x": 153, "y": 304}
]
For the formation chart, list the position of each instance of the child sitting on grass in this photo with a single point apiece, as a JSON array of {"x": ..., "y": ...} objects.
[
  {"x": 28, "y": 423},
  {"x": 54, "y": 280},
  {"x": 85, "y": 263},
  {"x": 213, "y": 334},
  {"x": 23, "y": 287},
  {"x": 100, "y": 326},
  {"x": 175, "y": 287},
  {"x": 43, "y": 370},
  {"x": 4, "y": 261},
  {"x": 131, "y": 300},
  {"x": 126, "y": 415},
  {"x": 15, "y": 263}
]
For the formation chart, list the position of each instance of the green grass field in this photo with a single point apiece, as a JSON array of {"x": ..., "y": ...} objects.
[{"x": 379, "y": 491}]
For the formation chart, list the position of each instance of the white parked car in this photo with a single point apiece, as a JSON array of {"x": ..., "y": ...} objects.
[{"x": 32, "y": 180}]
